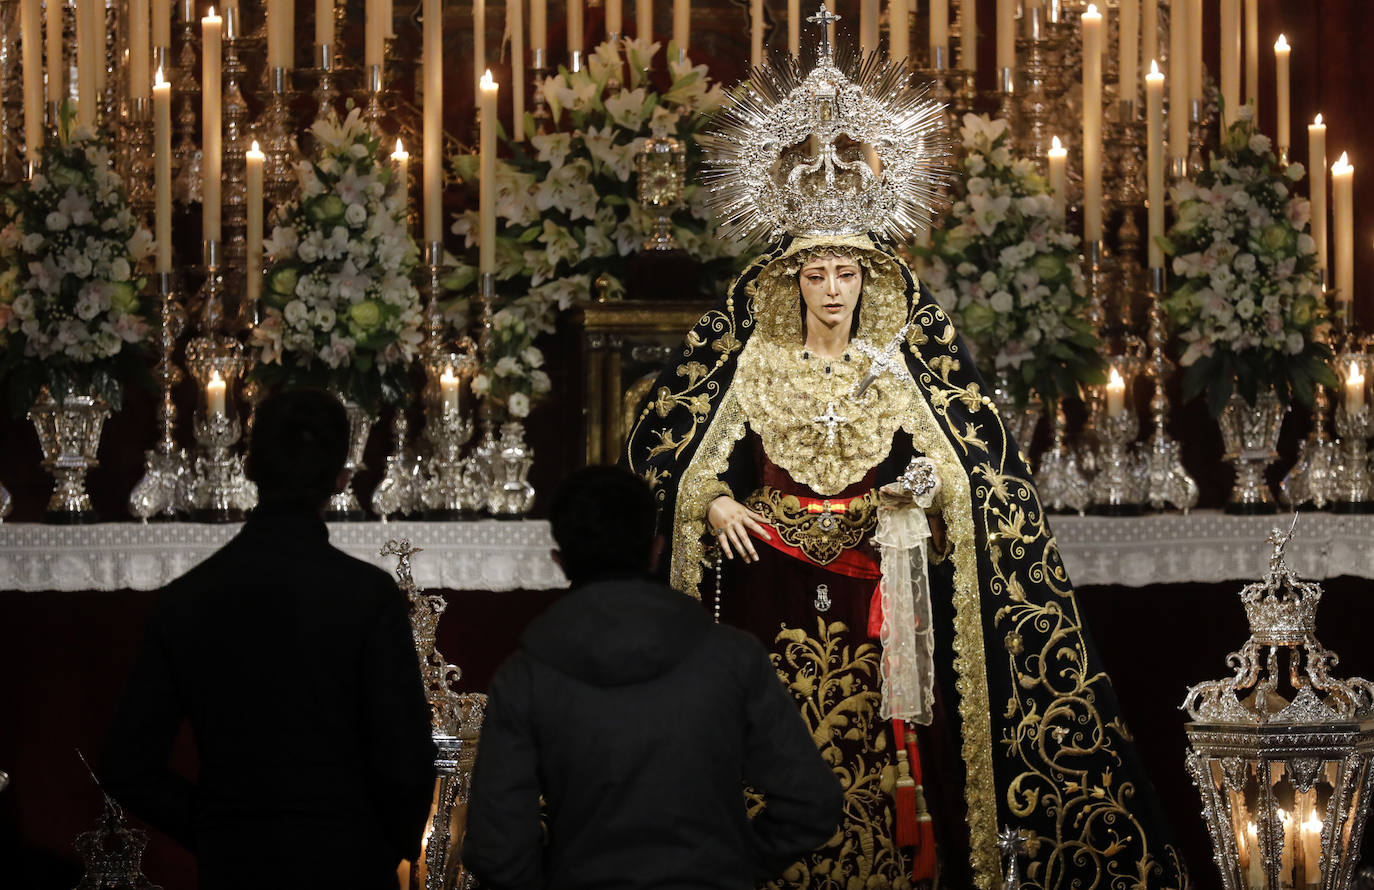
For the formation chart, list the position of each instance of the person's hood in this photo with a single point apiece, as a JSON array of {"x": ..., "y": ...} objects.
[{"x": 617, "y": 631}]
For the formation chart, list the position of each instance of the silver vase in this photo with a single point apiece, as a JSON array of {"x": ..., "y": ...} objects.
[
  {"x": 511, "y": 494},
  {"x": 69, "y": 435},
  {"x": 1020, "y": 422},
  {"x": 1250, "y": 438},
  {"x": 344, "y": 506}
]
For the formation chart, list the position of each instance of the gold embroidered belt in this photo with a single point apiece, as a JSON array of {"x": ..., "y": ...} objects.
[{"x": 821, "y": 528}]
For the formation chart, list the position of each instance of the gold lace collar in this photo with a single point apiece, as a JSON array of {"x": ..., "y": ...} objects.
[{"x": 803, "y": 409}]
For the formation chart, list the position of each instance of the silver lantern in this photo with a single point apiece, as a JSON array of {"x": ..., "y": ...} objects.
[{"x": 1280, "y": 752}]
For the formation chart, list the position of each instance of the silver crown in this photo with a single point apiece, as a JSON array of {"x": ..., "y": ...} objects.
[
  {"x": 1283, "y": 614},
  {"x": 847, "y": 148}
]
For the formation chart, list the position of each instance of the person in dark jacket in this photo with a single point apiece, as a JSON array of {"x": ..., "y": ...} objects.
[
  {"x": 295, "y": 667},
  {"x": 639, "y": 722}
]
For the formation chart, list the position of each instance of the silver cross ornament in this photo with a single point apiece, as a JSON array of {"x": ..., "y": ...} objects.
[
  {"x": 885, "y": 361},
  {"x": 831, "y": 420}
]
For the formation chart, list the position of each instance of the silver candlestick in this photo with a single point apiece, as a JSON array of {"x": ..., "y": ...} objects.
[
  {"x": 164, "y": 490},
  {"x": 1166, "y": 481},
  {"x": 512, "y": 495},
  {"x": 448, "y": 427},
  {"x": 399, "y": 491}
]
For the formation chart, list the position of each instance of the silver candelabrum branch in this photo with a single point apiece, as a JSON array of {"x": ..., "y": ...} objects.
[
  {"x": 324, "y": 73},
  {"x": 1035, "y": 104},
  {"x": 164, "y": 490},
  {"x": 1166, "y": 482},
  {"x": 539, "y": 70}
]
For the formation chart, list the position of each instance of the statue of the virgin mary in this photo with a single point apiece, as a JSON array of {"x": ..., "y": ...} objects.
[{"x": 833, "y": 478}]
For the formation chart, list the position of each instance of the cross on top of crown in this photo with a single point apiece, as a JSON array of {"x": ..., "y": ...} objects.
[{"x": 823, "y": 17}]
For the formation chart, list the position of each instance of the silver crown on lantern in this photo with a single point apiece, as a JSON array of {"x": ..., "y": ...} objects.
[
  {"x": 1282, "y": 611},
  {"x": 846, "y": 148}
]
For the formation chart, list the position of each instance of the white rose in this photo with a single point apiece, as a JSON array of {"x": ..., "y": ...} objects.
[
  {"x": 532, "y": 357},
  {"x": 119, "y": 269},
  {"x": 57, "y": 221},
  {"x": 519, "y": 405},
  {"x": 507, "y": 367},
  {"x": 296, "y": 313},
  {"x": 481, "y": 385},
  {"x": 1002, "y": 302},
  {"x": 355, "y": 215}
]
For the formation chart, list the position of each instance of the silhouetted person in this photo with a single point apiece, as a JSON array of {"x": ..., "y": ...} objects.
[
  {"x": 639, "y": 722},
  {"x": 295, "y": 667}
]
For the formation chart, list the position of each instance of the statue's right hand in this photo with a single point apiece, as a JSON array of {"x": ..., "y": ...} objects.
[{"x": 731, "y": 522}]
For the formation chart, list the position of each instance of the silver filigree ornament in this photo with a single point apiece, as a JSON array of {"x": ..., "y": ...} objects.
[
  {"x": 1281, "y": 752},
  {"x": 848, "y": 147}
]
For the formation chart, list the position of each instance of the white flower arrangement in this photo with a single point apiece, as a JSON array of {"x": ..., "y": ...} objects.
[
  {"x": 1246, "y": 291},
  {"x": 1006, "y": 270},
  {"x": 72, "y": 308},
  {"x": 340, "y": 309},
  {"x": 567, "y": 215}
]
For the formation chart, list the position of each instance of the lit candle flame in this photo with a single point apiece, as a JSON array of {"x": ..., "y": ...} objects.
[
  {"x": 1281, "y": 45},
  {"x": 1355, "y": 377},
  {"x": 1313, "y": 824},
  {"x": 1318, "y": 120},
  {"x": 1342, "y": 164},
  {"x": 488, "y": 82},
  {"x": 1154, "y": 69},
  {"x": 157, "y": 78},
  {"x": 1115, "y": 380},
  {"x": 1056, "y": 145},
  {"x": 255, "y": 150},
  {"x": 448, "y": 375},
  {"x": 211, "y": 13},
  {"x": 400, "y": 151},
  {"x": 1092, "y": 11},
  {"x": 215, "y": 378}
]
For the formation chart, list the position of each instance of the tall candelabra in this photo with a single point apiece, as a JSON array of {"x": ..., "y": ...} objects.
[
  {"x": 164, "y": 490},
  {"x": 1166, "y": 482},
  {"x": 235, "y": 189},
  {"x": 186, "y": 157}
]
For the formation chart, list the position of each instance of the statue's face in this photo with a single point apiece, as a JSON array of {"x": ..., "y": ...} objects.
[{"x": 830, "y": 288}]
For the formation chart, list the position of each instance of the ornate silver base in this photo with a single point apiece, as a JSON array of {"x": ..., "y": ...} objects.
[
  {"x": 400, "y": 488},
  {"x": 1250, "y": 436},
  {"x": 69, "y": 435},
  {"x": 1116, "y": 490},
  {"x": 447, "y": 490},
  {"x": 1166, "y": 482},
  {"x": 6, "y": 502},
  {"x": 220, "y": 491},
  {"x": 512, "y": 495},
  {"x": 1314, "y": 477},
  {"x": 345, "y": 506},
  {"x": 1061, "y": 481},
  {"x": 165, "y": 489}
]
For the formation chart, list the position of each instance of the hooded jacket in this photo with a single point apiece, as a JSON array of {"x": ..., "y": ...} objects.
[{"x": 640, "y": 722}]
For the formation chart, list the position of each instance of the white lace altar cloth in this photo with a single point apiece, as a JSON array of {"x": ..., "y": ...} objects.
[
  {"x": 1204, "y": 546},
  {"x": 481, "y": 555},
  {"x": 1208, "y": 546}
]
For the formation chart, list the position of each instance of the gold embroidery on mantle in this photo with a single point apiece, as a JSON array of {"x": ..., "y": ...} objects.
[
  {"x": 820, "y": 533},
  {"x": 785, "y": 391},
  {"x": 833, "y": 676}
]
